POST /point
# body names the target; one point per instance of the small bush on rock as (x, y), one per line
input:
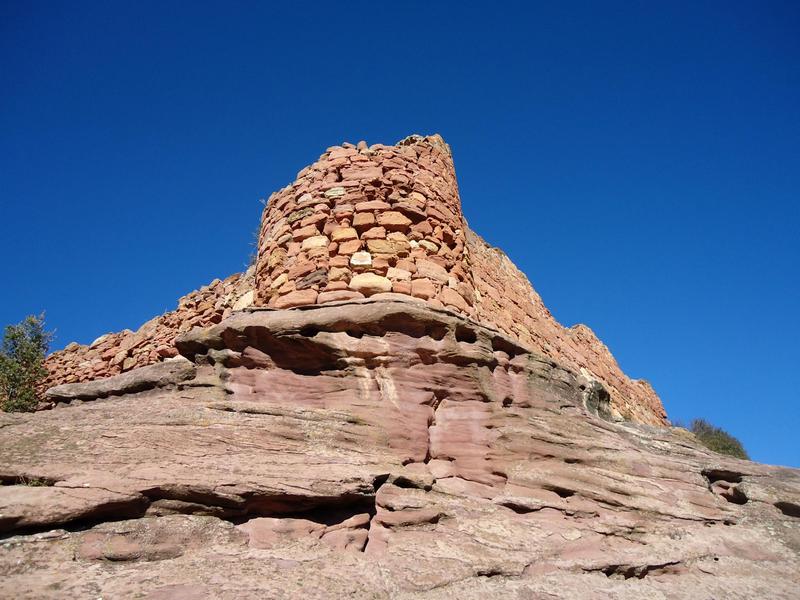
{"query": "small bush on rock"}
(22, 367)
(717, 439)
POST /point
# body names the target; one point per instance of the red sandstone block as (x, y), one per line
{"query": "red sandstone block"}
(314, 219)
(372, 205)
(414, 213)
(286, 288)
(397, 274)
(338, 295)
(343, 210)
(388, 247)
(336, 285)
(339, 274)
(427, 268)
(424, 228)
(297, 298)
(329, 227)
(301, 268)
(334, 163)
(466, 291)
(318, 253)
(452, 298)
(380, 263)
(166, 351)
(342, 234)
(339, 152)
(374, 233)
(398, 236)
(398, 177)
(436, 303)
(407, 264)
(363, 220)
(402, 287)
(362, 173)
(423, 288)
(442, 213)
(393, 162)
(349, 247)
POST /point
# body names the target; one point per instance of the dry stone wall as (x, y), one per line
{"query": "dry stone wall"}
(372, 221)
(506, 299)
(116, 353)
(364, 221)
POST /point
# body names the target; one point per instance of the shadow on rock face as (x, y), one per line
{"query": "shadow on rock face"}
(378, 449)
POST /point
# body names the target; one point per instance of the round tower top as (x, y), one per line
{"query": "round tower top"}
(367, 220)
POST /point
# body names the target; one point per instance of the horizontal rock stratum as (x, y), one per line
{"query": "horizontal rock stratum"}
(367, 221)
(376, 448)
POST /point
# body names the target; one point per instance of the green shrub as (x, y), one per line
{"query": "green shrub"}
(717, 439)
(22, 367)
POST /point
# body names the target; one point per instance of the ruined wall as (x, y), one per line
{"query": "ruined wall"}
(363, 221)
(506, 299)
(116, 353)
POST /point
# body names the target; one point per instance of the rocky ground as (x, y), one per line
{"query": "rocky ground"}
(380, 449)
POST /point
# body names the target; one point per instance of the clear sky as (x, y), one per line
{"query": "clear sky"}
(640, 161)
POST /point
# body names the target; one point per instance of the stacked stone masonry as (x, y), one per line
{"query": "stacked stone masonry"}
(506, 299)
(364, 221)
(116, 353)
(373, 222)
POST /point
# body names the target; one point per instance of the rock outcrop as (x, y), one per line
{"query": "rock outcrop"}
(382, 407)
(377, 449)
(365, 221)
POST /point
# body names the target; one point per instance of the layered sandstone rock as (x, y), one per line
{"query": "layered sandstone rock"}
(377, 449)
(367, 221)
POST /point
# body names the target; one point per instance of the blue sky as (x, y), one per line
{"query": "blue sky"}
(639, 161)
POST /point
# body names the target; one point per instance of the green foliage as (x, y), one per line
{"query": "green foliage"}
(34, 481)
(22, 367)
(717, 439)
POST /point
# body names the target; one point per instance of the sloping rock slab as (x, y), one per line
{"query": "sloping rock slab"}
(380, 450)
(169, 372)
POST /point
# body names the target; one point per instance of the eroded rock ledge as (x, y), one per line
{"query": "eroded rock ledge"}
(378, 449)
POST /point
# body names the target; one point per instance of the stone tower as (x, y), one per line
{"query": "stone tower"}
(364, 221)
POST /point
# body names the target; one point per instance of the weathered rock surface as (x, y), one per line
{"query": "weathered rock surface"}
(168, 373)
(380, 449)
